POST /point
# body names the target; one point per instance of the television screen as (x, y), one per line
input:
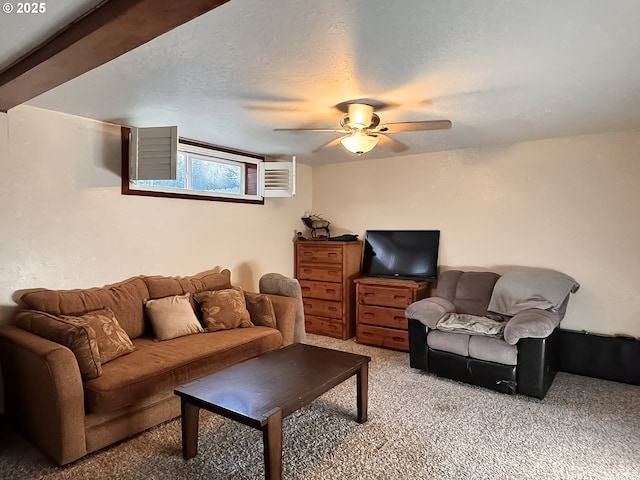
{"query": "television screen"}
(404, 254)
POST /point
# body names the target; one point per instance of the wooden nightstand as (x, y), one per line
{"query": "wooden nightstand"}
(326, 271)
(381, 302)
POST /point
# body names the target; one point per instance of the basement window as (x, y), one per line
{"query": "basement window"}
(205, 172)
(198, 170)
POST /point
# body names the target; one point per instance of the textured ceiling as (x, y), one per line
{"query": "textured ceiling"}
(501, 71)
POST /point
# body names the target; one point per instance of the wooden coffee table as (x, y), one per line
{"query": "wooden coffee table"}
(261, 391)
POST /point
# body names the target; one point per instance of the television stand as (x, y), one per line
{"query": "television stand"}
(380, 305)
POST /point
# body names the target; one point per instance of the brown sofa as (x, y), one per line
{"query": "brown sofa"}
(68, 415)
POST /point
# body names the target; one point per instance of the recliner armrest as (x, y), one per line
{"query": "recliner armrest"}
(429, 310)
(530, 323)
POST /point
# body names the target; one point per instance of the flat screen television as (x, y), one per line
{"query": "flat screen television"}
(403, 254)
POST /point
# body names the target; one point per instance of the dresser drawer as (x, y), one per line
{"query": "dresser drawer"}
(383, 337)
(382, 316)
(323, 326)
(322, 290)
(384, 296)
(324, 308)
(326, 273)
(319, 254)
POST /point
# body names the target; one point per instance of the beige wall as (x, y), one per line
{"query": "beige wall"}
(66, 225)
(569, 204)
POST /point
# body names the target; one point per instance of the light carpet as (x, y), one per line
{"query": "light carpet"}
(420, 427)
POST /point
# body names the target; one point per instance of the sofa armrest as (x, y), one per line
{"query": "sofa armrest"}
(285, 309)
(429, 310)
(530, 323)
(44, 393)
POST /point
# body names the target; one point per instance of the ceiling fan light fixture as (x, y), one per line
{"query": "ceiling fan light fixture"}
(359, 142)
(360, 115)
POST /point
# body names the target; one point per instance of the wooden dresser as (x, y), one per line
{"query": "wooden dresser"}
(380, 310)
(326, 271)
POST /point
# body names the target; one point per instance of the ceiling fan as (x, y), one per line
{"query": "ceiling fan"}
(361, 128)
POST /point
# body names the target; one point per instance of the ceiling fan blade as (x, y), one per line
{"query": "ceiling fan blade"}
(394, 145)
(332, 143)
(335, 130)
(413, 126)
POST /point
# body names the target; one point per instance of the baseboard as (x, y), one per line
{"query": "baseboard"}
(601, 356)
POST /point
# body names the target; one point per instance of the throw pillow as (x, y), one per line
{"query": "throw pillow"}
(71, 332)
(223, 309)
(260, 309)
(113, 341)
(172, 317)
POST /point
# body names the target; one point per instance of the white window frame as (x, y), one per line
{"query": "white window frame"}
(204, 154)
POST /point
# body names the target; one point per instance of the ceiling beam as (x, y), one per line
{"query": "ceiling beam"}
(114, 27)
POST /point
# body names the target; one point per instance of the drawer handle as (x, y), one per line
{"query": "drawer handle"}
(398, 339)
(399, 297)
(306, 289)
(398, 319)
(366, 334)
(330, 290)
(332, 309)
(333, 254)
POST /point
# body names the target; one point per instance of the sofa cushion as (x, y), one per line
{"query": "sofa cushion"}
(125, 299)
(447, 282)
(260, 309)
(157, 367)
(172, 317)
(71, 332)
(457, 343)
(493, 350)
(160, 287)
(473, 292)
(223, 309)
(112, 340)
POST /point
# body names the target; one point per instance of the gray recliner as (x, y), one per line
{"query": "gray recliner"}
(494, 331)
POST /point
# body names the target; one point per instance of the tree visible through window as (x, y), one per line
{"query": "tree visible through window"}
(216, 176)
(201, 174)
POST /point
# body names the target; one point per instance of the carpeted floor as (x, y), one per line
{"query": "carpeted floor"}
(420, 427)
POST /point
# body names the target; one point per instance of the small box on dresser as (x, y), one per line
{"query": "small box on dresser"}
(326, 270)
(380, 310)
